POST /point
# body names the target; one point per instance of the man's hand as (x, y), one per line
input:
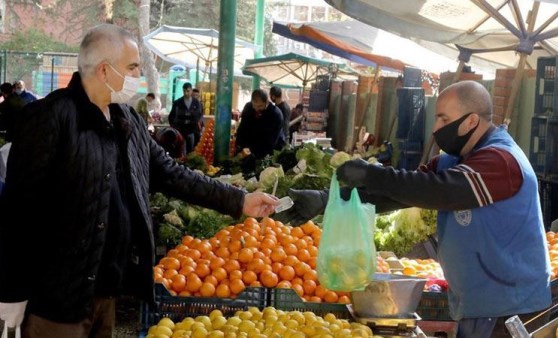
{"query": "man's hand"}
(12, 313)
(307, 205)
(354, 173)
(259, 204)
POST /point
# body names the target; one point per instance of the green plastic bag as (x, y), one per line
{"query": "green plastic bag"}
(347, 254)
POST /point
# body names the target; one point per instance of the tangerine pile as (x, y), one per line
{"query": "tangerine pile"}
(552, 244)
(267, 253)
(424, 268)
(207, 138)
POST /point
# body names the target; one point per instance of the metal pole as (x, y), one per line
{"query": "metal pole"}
(52, 73)
(197, 72)
(225, 71)
(5, 64)
(259, 37)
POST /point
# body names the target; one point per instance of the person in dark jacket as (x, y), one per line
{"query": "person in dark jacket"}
(185, 116)
(9, 109)
(26, 96)
(84, 170)
(171, 140)
(276, 96)
(261, 126)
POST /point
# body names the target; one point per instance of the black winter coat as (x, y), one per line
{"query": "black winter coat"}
(58, 173)
(186, 120)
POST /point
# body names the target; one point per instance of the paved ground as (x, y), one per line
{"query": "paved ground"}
(127, 318)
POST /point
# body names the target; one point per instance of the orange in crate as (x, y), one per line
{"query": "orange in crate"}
(207, 139)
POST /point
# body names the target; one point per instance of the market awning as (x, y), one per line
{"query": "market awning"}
(494, 30)
(194, 47)
(364, 44)
(514, 33)
(333, 45)
(294, 70)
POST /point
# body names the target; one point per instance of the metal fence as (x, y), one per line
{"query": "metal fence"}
(41, 72)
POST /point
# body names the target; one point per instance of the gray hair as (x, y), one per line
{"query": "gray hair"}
(473, 98)
(102, 42)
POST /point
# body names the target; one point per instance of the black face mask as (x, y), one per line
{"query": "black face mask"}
(449, 141)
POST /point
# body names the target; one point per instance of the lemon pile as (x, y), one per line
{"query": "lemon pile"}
(255, 323)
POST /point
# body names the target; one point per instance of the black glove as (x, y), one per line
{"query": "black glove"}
(354, 173)
(307, 205)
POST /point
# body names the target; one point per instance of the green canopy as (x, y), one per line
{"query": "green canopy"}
(295, 70)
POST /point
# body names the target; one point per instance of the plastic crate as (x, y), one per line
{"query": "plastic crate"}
(548, 193)
(318, 101)
(288, 300)
(546, 98)
(434, 306)
(543, 148)
(409, 160)
(177, 308)
(411, 114)
(412, 77)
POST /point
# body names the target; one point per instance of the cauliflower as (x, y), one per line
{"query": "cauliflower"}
(269, 175)
(173, 218)
(339, 158)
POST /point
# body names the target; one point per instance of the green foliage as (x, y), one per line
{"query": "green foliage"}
(169, 235)
(194, 161)
(311, 182)
(176, 219)
(400, 230)
(317, 161)
(205, 14)
(34, 40)
(207, 223)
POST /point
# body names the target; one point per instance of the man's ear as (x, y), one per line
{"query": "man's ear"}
(474, 121)
(101, 71)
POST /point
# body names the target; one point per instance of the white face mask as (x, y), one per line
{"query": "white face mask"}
(129, 88)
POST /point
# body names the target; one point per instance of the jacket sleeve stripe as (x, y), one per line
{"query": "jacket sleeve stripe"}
(477, 184)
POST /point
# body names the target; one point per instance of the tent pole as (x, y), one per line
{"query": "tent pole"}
(458, 72)
(224, 85)
(197, 72)
(366, 107)
(515, 89)
(520, 67)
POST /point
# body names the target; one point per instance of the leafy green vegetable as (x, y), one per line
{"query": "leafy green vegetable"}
(269, 175)
(169, 235)
(173, 218)
(158, 201)
(207, 223)
(317, 161)
(400, 230)
(339, 158)
(309, 181)
(195, 161)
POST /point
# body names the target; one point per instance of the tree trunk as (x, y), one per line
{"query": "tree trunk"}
(147, 57)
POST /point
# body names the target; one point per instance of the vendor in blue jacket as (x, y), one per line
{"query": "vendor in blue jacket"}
(492, 245)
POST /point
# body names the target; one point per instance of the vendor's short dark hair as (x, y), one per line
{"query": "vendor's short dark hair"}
(260, 94)
(299, 106)
(196, 90)
(6, 88)
(186, 86)
(150, 95)
(275, 91)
